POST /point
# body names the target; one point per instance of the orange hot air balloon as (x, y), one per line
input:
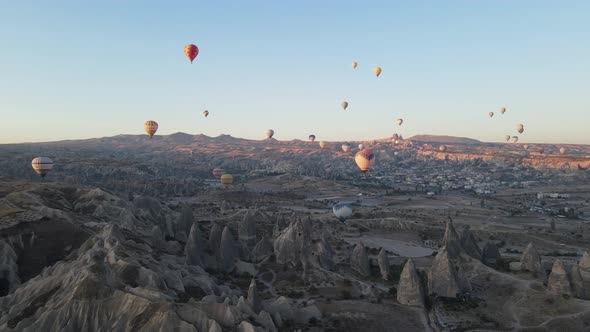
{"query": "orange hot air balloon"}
(150, 127)
(227, 180)
(191, 51)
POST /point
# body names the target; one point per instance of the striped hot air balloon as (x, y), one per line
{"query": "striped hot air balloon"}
(42, 165)
(365, 160)
(191, 51)
(342, 211)
(150, 127)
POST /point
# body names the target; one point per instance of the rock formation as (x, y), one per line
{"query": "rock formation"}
(253, 297)
(262, 250)
(577, 283)
(383, 261)
(451, 241)
(247, 230)
(409, 288)
(469, 243)
(9, 279)
(215, 238)
(158, 238)
(531, 261)
(444, 277)
(322, 254)
(293, 245)
(194, 247)
(359, 260)
(185, 220)
(227, 251)
(491, 255)
(558, 282)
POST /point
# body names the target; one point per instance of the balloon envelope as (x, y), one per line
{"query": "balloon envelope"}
(191, 51)
(42, 165)
(217, 172)
(345, 147)
(520, 128)
(344, 105)
(503, 110)
(562, 151)
(270, 133)
(354, 64)
(399, 121)
(311, 138)
(442, 148)
(365, 160)
(361, 146)
(491, 114)
(377, 71)
(342, 211)
(514, 139)
(322, 144)
(226, 180)
(507, 138)
(150, 127)
(206, 113)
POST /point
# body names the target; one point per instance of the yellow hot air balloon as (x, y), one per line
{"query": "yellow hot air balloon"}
(354, 64)
(42, 165)
(377, 71)
(365, 160)
(344, 105)
(503, 110)
(150, 127)
(226, 180)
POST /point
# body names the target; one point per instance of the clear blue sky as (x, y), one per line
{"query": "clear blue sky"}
(70, 70)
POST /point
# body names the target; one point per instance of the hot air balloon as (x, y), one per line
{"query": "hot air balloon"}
(442, 148)
(562, 151)
(344, 105)
(42, 165)
(526, 146)
(150, 127)
(399, 121)
(217, 172)
(311, 138)
(520, 128)
(514, 139)
(322, 144)
(345, 147)
(396, 142)
(507, 138)
(269, 133)
(541, 150)
(361, 147)
(206, 113)
(377, 71)
(191, 51)
(365, 160)
(354, 64)
(502, 110)
(491, 114)
(342, 211)
(226, 180)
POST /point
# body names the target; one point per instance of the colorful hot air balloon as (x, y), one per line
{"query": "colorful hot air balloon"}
(344, 105)
(42, 165)
(507, 138)
(361, 147)
(206, 113)
(520, 128)
(269, 133)
(562, 151)
(311, 138)
(514, 139)
(217, 172)
(491, 114)
(322, 144)
(377, 71)
(191, 51)
(342, 211)
(345, 147)
(442, 148)
(399, 121)
(365, 160)
(502, 110)
(354, 64)
(226, 180)
(150, 127)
